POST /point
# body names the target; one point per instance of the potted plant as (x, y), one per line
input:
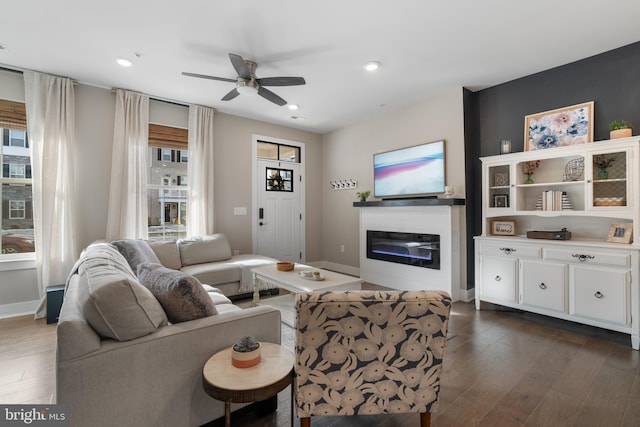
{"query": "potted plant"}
(362, 195)
(619, 129)
(245, 352)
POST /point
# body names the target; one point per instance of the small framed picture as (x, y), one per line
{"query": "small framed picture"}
(501, 201)
(620, 232)
(503, 228)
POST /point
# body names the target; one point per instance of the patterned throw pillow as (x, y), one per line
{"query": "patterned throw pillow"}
(181, 295)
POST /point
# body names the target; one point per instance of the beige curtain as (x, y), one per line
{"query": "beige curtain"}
(128, 210)
(200, 171)
(50, 111)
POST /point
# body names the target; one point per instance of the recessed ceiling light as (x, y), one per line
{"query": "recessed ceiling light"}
(123, 62)
(293, 106)
(372, 66)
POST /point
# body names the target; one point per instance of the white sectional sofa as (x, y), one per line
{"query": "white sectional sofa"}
(209, 259)
(121, 360)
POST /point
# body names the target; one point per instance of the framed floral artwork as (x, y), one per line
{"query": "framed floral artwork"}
(557, 128)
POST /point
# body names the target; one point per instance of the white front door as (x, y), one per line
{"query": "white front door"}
(279, 216)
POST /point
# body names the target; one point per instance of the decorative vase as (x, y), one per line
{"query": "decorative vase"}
(529, 180)
(603, 173)
(620, 133)
(363, 199)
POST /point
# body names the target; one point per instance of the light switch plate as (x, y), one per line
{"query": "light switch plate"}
(240, 211)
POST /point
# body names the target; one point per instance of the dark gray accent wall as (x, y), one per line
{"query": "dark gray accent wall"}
(611, 80)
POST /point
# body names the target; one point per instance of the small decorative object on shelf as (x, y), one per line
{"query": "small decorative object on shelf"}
(503, 228)
(602, 163)
(620, 232)
(362, 195)
(619, 129)
(573, 169)
(505, 146)
(246, 352)
(528, 169)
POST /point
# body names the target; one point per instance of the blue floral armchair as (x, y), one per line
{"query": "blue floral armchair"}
(369, 352)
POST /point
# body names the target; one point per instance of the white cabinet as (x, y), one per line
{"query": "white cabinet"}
(584, 189)
(544, 285)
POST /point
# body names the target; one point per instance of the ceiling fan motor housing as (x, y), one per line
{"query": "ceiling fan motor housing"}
(247, 87)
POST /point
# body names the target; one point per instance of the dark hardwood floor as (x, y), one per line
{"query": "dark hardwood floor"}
(502, 368)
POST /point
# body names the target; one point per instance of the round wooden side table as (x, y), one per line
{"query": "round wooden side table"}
(223, 381)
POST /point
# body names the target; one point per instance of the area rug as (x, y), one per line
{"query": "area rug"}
(284, 304)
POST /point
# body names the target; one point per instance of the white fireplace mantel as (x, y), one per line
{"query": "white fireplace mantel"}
(429, 216)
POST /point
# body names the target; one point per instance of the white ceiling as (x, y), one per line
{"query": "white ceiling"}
(424, 47)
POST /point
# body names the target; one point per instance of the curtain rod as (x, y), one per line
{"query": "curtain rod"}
(22, 70)
(156, 98)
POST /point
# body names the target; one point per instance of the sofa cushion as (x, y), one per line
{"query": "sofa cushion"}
(167, 252)
(214, 273)
(136, 251)
(198, 250)
(116, 305)
(181, 295)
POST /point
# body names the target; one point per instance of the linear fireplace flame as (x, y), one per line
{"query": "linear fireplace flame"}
(421, 250)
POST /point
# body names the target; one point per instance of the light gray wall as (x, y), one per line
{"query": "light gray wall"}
(348, 153)
(95, 109)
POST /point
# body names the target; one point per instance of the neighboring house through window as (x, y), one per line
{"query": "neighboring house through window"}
(167, 182)
(16, 215)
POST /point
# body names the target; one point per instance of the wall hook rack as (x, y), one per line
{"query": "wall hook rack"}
(343, 184)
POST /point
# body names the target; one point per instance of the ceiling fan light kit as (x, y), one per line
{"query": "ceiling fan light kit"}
(248, 84)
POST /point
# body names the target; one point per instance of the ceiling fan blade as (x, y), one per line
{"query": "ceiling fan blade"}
(232, 94)
(240, 66)
(281, 81)
(202, 76)
(267, 94)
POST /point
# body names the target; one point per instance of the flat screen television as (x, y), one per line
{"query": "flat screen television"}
(410, 172)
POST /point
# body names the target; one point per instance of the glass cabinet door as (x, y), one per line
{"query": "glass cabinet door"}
(499, 187)
(609, 179)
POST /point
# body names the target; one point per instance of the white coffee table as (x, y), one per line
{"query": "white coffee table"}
(294, 282)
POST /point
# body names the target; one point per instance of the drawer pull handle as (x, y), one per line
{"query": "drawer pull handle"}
(498, 278)
(543, 286)
(598, 295)
(507, 251)
(583, 257)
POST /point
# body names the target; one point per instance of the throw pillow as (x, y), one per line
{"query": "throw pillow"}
(198, 250)
(168, 253)
(181, 295)
(136, 252)
(116, 305)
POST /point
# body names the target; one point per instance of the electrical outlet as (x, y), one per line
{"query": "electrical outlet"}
(341, 248)
(236, 252)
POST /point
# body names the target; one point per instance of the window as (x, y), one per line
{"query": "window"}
(167, 183)
(279, 179)
(17, 138)
(16, 209)
(16, 216)
(280, 152)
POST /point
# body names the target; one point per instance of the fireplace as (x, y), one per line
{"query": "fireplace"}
(420, 250)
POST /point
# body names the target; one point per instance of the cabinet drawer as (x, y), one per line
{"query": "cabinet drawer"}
(600, 293)
(509, 249)
(587, 256)
(499, 278)
(544, 284)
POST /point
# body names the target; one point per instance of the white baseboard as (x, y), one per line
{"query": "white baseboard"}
(468, 295)
(339, 268)
(18, 309)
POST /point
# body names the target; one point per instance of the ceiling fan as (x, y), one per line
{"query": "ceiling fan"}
(247, 83)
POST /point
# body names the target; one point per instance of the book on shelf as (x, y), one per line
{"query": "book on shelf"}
(551, 200)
